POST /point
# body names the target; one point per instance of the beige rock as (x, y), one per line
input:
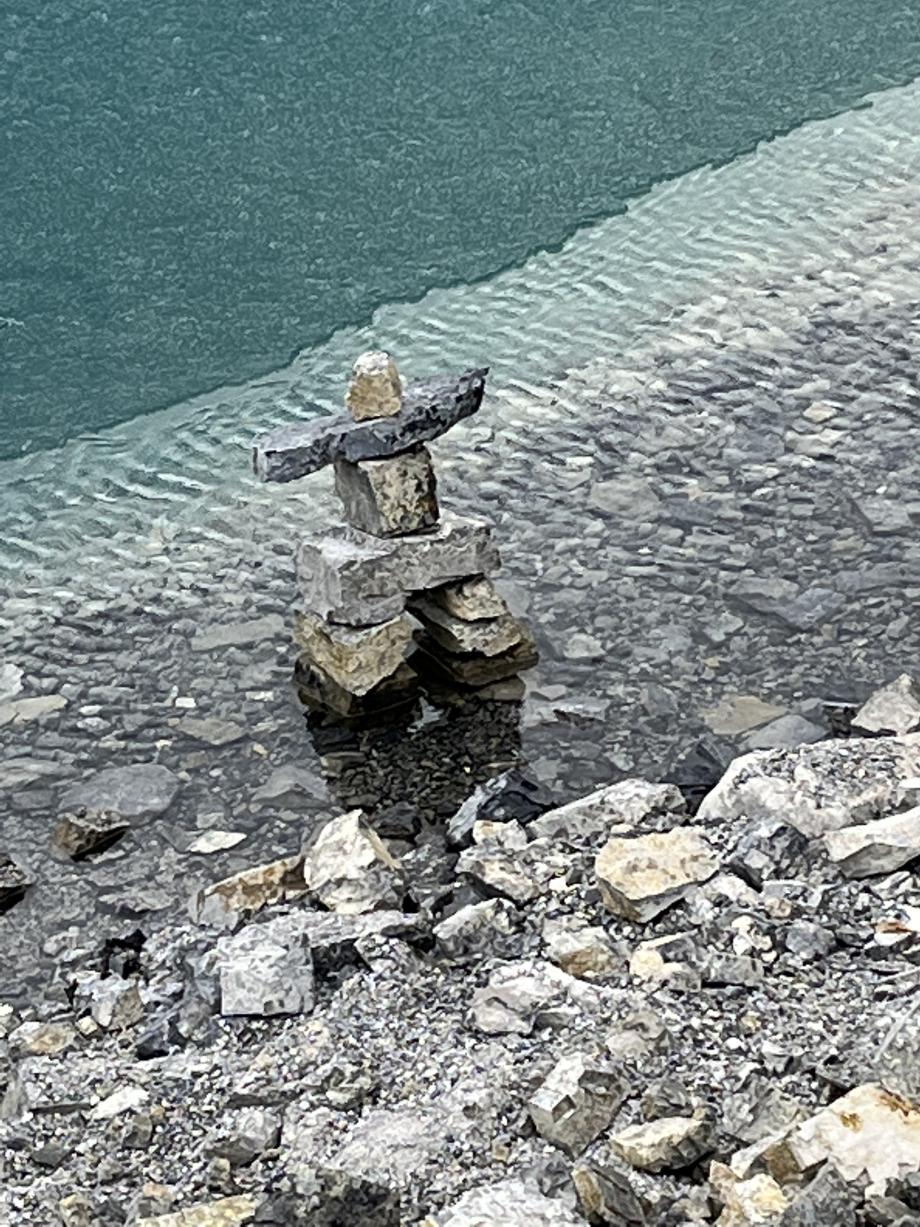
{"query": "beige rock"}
(664, 960)
(249, 891)
(469, 599)
(77, 1210)
(349, 867)
(486, 635)
(868, 1133)
(389, 497)
(375, 388)
(894, 708)
(42, 1039)
(666, 1144)
(639, 878)
(227, 1212)
(739, 713)
(876, 847)
(755, 1202)
(584, 952)
(358, 658)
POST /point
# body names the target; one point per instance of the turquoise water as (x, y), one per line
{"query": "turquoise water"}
(191, 193)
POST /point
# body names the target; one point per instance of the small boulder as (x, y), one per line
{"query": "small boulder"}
(876, 847)
(577, 1102)
(349, 868)
(667, 1144)
(642, 876)
(894, 708)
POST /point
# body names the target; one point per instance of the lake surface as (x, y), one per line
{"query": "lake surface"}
(191, 194)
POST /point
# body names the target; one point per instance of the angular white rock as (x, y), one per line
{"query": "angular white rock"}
(349, 868)
(894, 708)
(876, 847)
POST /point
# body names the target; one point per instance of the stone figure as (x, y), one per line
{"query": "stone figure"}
(400, 576)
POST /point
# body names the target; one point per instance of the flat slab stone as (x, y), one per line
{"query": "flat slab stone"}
(354, 578)
(641, 877)
(876, 847)
(475, 669)
(389, 497)
(358, 658)
(470, 599)
(139, 790)
(317, 690)
(430, 407)
(486, 635)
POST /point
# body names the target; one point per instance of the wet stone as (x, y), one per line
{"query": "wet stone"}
(487, 636)
(390, 497)
(430, 407)
(356, 658)
(360, 580)
(475, 669)
(876, 847)
(469, 599)
(141, 790)
(320, 692)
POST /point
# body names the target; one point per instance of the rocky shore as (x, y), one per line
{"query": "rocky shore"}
(625, 1009)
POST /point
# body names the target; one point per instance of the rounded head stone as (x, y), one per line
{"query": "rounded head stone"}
(375, 388)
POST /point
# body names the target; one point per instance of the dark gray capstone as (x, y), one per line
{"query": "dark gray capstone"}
(430, 407)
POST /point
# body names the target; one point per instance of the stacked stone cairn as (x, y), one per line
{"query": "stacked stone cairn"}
(398, 555)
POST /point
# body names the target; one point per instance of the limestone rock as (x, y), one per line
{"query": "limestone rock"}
(754, 1202)
(318, 691)
(817, 788)
(633, 803)
(246, 1134)
(77, 1210)
(475, 668)
(667, 960)
(356, 658)
(577, 1102)
(14, 882)
(112, 1003)
(469, 599)
(510, 1203)
(504, 865)
(868, 1134)
(360, 580)
(607, 1197)
(488, 636)
(391, 1145)
(265, 969)
(125, 1099)
(389, 497)
(141, 790)
(521, 996)
(667, 1144)
(876, 847)
(894, 708)
(86, 831)
(583, 951)
(225, 902)
(226, 1212)
(430, 407)
(827, 1198)
(640, 877)
(488, 929)
(40, 1039)
(375, 389)
(350, 869)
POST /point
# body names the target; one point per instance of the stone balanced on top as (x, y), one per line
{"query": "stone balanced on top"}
(398, 554)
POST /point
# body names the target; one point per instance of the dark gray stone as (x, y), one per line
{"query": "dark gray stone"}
(430, 407)
(137, 791)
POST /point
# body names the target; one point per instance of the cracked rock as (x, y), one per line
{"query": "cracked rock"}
(640, 877)
(349, 868)
(577, 1102)
(894, 708)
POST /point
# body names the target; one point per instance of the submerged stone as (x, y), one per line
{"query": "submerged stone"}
(390, 497)
(319, 691)
(430, 407)
(357, 579)
(139, 790)
(357, 658)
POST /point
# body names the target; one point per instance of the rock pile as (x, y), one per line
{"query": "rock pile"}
(397, 555)
(611, 1012)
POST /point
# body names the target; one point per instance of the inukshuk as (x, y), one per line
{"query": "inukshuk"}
(398, 554)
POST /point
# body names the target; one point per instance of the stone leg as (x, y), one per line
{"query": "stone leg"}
(391, 497)
(357, 658)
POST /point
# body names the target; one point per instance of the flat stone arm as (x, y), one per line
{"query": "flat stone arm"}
(430, 407)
